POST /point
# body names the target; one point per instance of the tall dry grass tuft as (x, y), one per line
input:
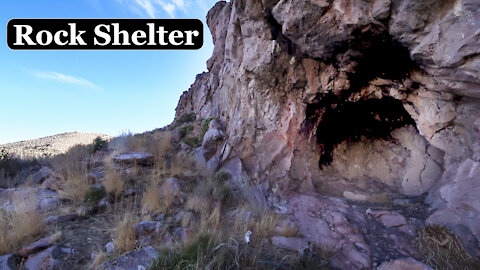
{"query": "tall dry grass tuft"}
(114, 183)
(74, 186)
(20, 226)
(442, 249)
(151, 200)
(124, 233)
(73, 169)
(157, 196)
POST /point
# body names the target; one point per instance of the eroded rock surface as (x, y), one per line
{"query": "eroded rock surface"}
(367, 100)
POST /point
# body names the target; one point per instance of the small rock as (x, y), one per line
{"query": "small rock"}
(147, 227)
(355, 196)
(404, 264)
(110, 247)
(183, 234)
(129, 192)
(51, 220)
(390, 219)
(103, 203)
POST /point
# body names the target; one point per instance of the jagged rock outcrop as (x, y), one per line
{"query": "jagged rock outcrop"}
(367, 100)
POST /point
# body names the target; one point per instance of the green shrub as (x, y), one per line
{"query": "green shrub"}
(99, 144)
(204, 128)
(185, 130)
(94, 194)
(194, 142)
(188, 257)
(186, 118)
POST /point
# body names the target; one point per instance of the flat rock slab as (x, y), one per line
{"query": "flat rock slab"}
(139, 158)
(137, 259)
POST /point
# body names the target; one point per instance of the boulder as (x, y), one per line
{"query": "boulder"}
(41, 175)
(40, 244)
(34, 198)
(211, 141)
(49, 259)
(137, 259)
(9, 262)
(138, 158)
(461, 207)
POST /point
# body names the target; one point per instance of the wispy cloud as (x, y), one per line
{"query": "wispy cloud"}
(148, 6)
(64, 78)
(155, 8)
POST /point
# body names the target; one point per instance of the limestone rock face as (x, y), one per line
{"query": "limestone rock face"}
(366, 100)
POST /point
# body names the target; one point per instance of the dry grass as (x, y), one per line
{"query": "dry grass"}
(100, 258)
(114, 183)
(157, 197)
(73, 169)
(74, 186)
(124, 233)
(442, 249)
(21, 226)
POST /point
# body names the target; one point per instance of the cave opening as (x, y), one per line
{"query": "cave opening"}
(379, 56)
(351, 121)
(335, 118)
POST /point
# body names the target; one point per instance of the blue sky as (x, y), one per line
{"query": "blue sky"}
(49, 92)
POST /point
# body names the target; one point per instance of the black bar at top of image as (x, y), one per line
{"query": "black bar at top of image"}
(169, 27)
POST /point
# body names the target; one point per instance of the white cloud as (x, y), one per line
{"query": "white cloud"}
(180, 4)
(148, 6)
(56, 76)
(168, 7)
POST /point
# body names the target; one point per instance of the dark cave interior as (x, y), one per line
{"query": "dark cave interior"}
(336, 119)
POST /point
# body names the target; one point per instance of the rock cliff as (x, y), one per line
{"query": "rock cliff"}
(366, 100)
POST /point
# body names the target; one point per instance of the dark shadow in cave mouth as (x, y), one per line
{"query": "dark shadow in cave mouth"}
(383, 57)
(377, 55)
(350, 121)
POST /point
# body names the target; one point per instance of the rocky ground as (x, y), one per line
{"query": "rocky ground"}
(118, 226)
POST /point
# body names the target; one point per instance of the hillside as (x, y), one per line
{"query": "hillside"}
(50, 145)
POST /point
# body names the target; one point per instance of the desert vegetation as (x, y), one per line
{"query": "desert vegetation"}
(193, 218)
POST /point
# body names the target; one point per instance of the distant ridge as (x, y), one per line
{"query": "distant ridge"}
(50, 145)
